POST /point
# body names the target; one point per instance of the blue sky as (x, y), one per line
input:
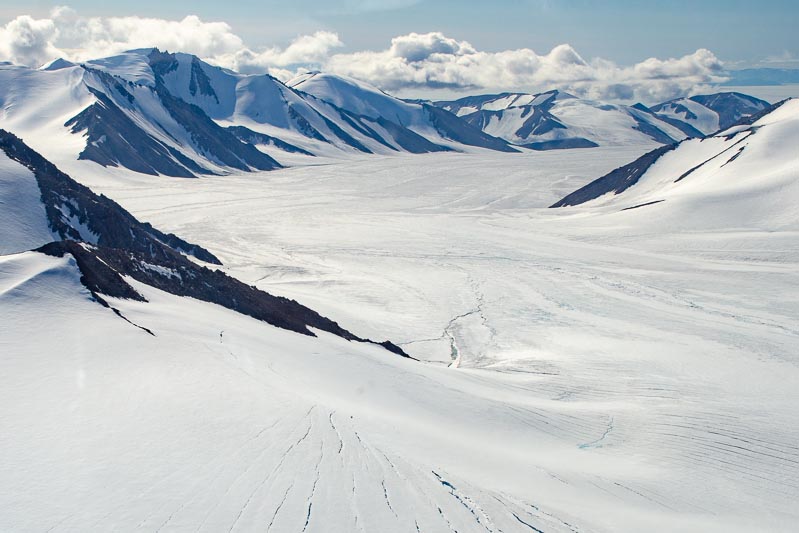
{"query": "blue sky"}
(619, 50)
(742, 32)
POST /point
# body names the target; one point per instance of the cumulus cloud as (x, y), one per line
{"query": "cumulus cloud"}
(31, 42)
(95, 37)
(302, 52)
(28, 41)
(414, 61)
(435, 60)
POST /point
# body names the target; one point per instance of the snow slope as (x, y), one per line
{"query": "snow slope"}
(22, 216)
(358, 97)
(618, 372)
(219, 422)
(746, 176)
(230, 425)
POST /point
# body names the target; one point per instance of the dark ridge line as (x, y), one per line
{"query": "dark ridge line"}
(114, 226)
(254, 137)
(643, 205)
(735, 156)
(690, 171)
(123, 246)
(126, 319)
(102, 270)
(617, 181)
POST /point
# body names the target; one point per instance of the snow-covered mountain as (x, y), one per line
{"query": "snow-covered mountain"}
(368, 101)
(557, 119)
(84, 112)
(172, 114)
(709, 113)
(744, 176)
(264, 105)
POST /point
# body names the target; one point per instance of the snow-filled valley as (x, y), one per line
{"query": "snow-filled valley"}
(583, 369)
(223, 351)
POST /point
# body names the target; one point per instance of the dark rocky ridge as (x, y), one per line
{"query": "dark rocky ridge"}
(102, 270)
(211, 139)
(731, 107)
(200, 82)
(616, 181)
(394, 135)
(751, 119)
(120, 246)
(684, 127)
(538, 119)
(407, 139)
(624, 177)
(66, 201)
(113, 139)
(653, 132)
(561, 144)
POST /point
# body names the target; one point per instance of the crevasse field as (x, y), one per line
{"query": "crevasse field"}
(581, 369)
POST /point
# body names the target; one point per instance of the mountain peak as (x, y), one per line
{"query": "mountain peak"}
(57, 64)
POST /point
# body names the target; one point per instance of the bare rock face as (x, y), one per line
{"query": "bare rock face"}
(75, 212)
(115, 139)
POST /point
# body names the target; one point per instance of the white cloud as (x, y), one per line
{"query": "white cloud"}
(413, 61)
(435, 60)
(304, 51)
(28, 41)
(96, 37)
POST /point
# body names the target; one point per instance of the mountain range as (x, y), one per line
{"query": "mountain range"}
(172, 114)
(557, 119)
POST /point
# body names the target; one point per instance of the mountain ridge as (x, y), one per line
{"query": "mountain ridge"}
(110, 245)
(744, 172)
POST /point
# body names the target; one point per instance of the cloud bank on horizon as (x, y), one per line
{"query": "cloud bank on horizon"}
(416, 61)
